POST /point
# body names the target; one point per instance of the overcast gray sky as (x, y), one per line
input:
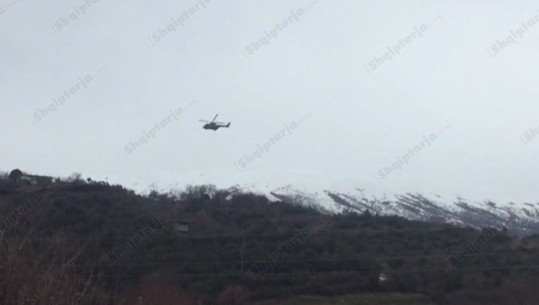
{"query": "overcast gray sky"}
(429, 96)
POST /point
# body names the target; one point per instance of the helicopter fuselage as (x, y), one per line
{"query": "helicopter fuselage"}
(215, 126)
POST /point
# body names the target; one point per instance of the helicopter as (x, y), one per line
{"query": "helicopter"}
(214, 125)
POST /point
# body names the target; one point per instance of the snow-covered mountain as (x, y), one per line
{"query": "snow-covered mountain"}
(518, 218)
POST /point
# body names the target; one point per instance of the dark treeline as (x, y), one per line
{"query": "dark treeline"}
(80, 241)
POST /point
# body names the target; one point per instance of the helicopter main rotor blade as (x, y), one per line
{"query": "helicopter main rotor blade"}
(214, 117)
(204, 121)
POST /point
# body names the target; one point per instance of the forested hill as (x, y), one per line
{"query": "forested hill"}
(87, 242)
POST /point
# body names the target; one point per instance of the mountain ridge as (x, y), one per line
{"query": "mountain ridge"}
(519, 219)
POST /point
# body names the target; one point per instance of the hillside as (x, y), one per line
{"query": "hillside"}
(222, 247)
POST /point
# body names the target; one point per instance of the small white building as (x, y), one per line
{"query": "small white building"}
(181, 227)
(28, 180)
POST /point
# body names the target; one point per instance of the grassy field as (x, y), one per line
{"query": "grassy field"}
(358, 299)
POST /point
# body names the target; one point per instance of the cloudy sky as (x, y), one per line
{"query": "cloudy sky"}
(428, 96)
